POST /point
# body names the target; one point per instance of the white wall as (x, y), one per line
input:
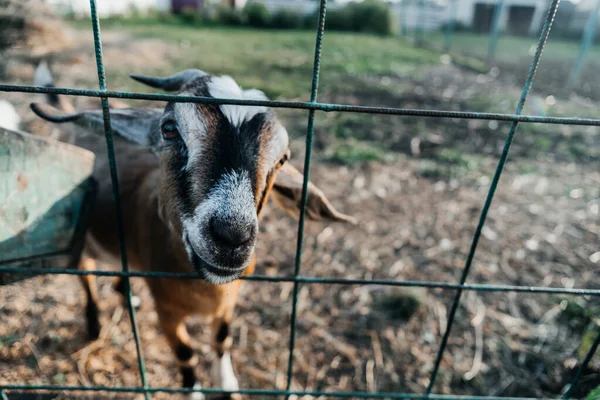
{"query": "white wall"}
(411, 16)
(465, 10)
(109, 7)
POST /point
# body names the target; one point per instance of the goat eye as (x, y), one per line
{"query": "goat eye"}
(169, 130)
(283, 160)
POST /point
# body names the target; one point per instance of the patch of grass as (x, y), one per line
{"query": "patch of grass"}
(343, 52)
(471, 63)
(533, 139)
(455, 158)
(278, 62)
(349, 125)
(524, 168)
(451, 163)
(578, 313)
(588, 339)
(8, 340)
(430, 170)
(351, 151)
(459, 164)
(511, 47)
(594, 394)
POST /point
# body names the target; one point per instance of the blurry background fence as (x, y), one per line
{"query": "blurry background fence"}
(429, 23)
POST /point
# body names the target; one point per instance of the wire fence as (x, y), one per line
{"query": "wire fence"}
(297, 279)
(484, 31)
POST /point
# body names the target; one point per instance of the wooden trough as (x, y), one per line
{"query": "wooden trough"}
(46, 196)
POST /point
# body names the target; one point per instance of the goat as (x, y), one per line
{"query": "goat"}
(194, 179)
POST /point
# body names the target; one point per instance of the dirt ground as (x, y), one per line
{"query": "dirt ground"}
(417, 217)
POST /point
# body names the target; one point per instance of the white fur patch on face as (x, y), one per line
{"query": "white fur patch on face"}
(191, 126)
(230, 200)
(233, 198)
(277, 145)
(223, 374)
(225, 87)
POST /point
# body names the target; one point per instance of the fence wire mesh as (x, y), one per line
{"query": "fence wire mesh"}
(297, 279)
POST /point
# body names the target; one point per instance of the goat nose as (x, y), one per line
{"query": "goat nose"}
(231, 234)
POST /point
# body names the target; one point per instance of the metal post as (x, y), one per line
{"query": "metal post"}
(490, 196)
(403, 19)
(420, 31)
(495, 32)
(450, 26)
(587, 40)
(304, 199)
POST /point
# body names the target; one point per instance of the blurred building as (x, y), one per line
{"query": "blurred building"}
(107, 8)
(519, 17)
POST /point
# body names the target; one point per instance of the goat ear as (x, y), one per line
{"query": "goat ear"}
(135, 125)
(287, 194)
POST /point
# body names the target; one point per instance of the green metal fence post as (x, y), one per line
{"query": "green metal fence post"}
(495, 32)
(403, 19)
(307, 159)
(450, 26)
(420, 31)
(587, 41)
(490, 196)
(116, 193)
(588, 357)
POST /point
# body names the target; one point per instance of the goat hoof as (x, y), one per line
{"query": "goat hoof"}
(197, 395)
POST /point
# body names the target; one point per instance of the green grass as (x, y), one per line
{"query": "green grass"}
(594, 394)
(352, 151)
(278, 62)
(511, 47)
(453, 164)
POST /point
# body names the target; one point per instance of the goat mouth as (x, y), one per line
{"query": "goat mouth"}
(209, 272)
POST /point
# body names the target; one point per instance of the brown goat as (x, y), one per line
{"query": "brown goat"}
(194, 179)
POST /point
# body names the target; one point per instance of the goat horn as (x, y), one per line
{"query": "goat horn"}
(171, 83)
(52, 114)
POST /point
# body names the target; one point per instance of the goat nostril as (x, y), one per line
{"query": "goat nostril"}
(232, 235)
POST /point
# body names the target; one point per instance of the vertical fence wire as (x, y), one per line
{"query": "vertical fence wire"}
(490, 196)
(403, 19)
(495, 31)
(116, 193)
(420, 31)
(307, 159)
(588, 357)
(450, 25)
(587, 41)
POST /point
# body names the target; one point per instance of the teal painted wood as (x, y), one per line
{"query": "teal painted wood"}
(44, 191)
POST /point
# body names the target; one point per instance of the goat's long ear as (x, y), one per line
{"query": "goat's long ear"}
(171, 83)
(287, 194)
(135, 125)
